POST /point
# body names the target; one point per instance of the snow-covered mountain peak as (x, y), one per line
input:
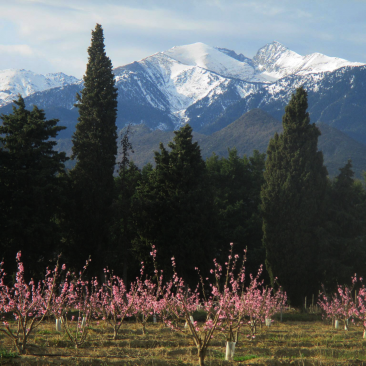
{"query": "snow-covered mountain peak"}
(62, 79)
(274, 58)
(25, 82)
(271, 51)
(209, 58)
(276, 61)
(193, 54)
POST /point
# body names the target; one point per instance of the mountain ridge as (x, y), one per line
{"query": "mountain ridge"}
(164, 92)
(25, 82)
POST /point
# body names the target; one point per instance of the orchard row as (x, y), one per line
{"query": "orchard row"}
(343, 307)
(233, 304)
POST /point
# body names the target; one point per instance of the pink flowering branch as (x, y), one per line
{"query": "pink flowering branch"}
(29, 303)
(115, 301)
(76, 294)
(182, 302)
(361, 308)
(340, 306)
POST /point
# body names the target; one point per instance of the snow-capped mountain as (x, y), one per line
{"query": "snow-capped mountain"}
(276, 61)
(212, 59)
(198, 84)
(25, 83)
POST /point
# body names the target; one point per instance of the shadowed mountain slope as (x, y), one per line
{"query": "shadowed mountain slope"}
(252, 131)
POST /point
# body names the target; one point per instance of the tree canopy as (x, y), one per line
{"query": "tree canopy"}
(292, 201)
(31, 185)
(95, 150)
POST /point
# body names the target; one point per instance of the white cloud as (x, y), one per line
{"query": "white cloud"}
(57, 32)
(17, 49)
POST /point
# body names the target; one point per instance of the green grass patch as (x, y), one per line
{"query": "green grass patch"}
(7, 354)
(44, 331)
(218, 355)
(221, 356)
(245, 358)
(298, 317)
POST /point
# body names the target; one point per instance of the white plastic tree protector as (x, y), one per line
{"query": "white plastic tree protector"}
(83, 322)
(58, 325)
(268, 322)
(336, 324)
(230, 350)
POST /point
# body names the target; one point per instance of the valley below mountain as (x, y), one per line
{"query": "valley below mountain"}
(252, 131)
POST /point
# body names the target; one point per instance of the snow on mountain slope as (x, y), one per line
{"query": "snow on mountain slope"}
(277, 61)
(192, 83)
(212, 59)
(173, 85)
(25, 83)
(179, 84)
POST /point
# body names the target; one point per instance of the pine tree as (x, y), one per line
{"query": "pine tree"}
(176, 208)
(237, 183)
(95, 149)
(292, 201)
(343, 250)
(31, 186)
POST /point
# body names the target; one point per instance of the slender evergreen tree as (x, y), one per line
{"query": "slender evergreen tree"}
(292, 202)
(31, 186)
(95, 150)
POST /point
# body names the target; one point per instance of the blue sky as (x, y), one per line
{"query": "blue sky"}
(53, 35)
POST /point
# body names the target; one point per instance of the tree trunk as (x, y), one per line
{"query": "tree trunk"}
(201, 356)
(23, 346)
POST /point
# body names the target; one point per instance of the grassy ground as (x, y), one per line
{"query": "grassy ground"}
(291, 342)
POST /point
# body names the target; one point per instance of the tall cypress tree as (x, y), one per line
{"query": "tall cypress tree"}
(292, 199)
(95, 149)
(31, 186)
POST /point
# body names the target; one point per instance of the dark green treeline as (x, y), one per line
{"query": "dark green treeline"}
(306, 228)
